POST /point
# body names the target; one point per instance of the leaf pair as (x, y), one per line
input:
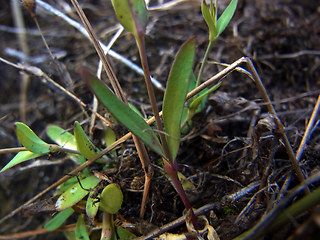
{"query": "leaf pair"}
(216, 27)
(173, 104)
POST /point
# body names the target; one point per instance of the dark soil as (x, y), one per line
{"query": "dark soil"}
(221, 154)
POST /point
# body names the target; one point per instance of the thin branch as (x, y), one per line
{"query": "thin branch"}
(83, 31)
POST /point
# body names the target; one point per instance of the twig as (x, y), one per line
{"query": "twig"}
(83, 31)
(39, 73)
(269, 220)
(280, 127)
(179, 221)
(23, 43)
(307, 133)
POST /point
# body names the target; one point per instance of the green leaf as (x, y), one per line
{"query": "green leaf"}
(123, 113)
(81, 230)
(61, 137)
(210, 17)
(58, 219)
(111, 199)
(30, 140)
(75, 193)
(175, 95)
(125, 234)
(66, 140)
(193, 108)
(186, 184)
(132, 14)
(20, 157)
(92, 205)
(65, 186)
(84, 145)
(226, 16)
(110, 137)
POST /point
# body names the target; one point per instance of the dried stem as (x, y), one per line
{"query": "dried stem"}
(280, 127)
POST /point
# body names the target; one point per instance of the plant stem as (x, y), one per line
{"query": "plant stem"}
(107, 226)
(172, 171)
(152, 97)
(204, 62)
(169, 163)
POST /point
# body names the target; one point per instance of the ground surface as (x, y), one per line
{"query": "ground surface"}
(219, 154)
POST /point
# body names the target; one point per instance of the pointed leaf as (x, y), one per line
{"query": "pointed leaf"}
(123, 113)
(84, 144)
(210, 18)
(20, 158)
(64, 139)
(61, 137)
(193, 108)
(226, 16)
(74, 194)
(175, 94)
(30, 140)
(125, 234)
(58, 219)
(132, 14)
(81, 230)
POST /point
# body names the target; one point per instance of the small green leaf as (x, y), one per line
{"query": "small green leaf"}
(110, 137)
(61, 137)
(66, 140)
(84, 145)
(123, 113)
(125, 234)
(30, 140)
(81, 230)
(186, 184)
(132, 14)
(58, 219)
(65, 186)
(92, 205)
(175, 95)
(111, 199)
(75, 193)
(20, 157)
(210, 17)
(193, 108)
(226, 16)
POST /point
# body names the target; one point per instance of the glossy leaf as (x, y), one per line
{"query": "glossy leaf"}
(123, 113)
(111, 199)
(30, 140)
(20, 157)
(226, 16)
(175, 95)
(92, 205)
(64, 139)
(81, 230)
(75, 193)
(132, 14)
(59, 219)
